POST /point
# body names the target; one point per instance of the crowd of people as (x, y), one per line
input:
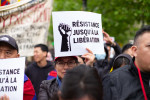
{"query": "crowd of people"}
(125, 76)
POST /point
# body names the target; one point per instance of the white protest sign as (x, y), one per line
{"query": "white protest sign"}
(28, 24)
(74, 31)
(12, 77)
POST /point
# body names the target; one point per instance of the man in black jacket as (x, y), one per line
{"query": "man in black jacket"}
(38, 70)
(132, 82)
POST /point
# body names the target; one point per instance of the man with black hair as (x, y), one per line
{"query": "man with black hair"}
(38, 70)
(126, 49)
(81, 83)
(132, 82)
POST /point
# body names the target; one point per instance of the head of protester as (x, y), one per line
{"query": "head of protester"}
(81, 83)
(126, 49)
(122, 60)
(62, 64)
(49, 88)
(9, 49)
(40, 54)
(141, 49)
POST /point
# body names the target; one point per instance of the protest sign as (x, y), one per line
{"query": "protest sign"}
(27, 23)
(74, 31)
(12, 77)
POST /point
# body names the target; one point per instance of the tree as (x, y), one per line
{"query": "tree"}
(121, 18)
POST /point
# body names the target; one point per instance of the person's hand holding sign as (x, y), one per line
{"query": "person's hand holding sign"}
(107, 38)
(89, 57)
(5, 97)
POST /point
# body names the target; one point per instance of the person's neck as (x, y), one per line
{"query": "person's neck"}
(140, 67)
(42, 63)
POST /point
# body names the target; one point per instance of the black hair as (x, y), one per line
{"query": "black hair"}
(126, 47)
(122, 59)
(81, 81)
(43, 47)
(141, 32)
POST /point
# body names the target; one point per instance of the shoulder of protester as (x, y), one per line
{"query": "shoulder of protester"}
(120, 72)
(46, 83)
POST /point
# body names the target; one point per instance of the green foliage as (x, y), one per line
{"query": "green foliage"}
(120, 18)
(64, 5)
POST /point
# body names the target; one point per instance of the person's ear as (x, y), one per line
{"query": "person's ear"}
(18, 55)
(59, 95)
(45, 54)
(134, 50)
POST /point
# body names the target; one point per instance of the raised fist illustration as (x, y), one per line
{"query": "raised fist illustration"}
(65, 32)
(64, 29)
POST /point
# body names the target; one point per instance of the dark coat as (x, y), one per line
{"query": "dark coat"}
(104, 66)
(37, 74)
(48, 88)
(124, 84)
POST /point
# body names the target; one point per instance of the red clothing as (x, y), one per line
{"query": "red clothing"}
(28, 92)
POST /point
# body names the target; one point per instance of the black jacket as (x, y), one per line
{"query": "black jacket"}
(104, 66)
(37, 74)
(124, 84)
(48, 89)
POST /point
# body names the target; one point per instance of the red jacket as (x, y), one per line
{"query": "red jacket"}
(28, 92)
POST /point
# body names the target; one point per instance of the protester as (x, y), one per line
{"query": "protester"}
(114, 45)
(121, 60)
(131, 82)
(9, 49)
(126, 49)
(49, 88)
(38, 70)
(81, 83)
(104, 65)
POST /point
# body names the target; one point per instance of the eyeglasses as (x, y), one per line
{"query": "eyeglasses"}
(69, 63)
